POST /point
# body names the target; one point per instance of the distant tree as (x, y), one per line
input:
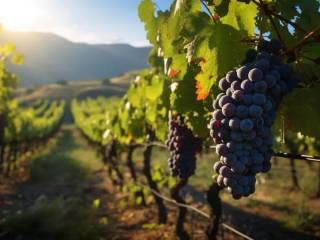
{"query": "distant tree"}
(62, 82)
(106, 81)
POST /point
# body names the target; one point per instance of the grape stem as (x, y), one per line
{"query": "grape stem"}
(269, 15)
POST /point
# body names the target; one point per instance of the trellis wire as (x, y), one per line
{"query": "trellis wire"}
(194, 209)
(277, 154)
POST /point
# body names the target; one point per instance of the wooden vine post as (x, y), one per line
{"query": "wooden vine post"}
(2, 145)
(132, 169)
(175, 194)
(216, 211)
(162, 210)
(111, 159)
(130, 163)
(294, 177)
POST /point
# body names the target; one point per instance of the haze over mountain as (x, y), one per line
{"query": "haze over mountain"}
(50, 58)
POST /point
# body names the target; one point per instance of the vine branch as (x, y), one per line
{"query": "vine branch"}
(267, 11)
(268, 14)
(304, 39)
(208, 9)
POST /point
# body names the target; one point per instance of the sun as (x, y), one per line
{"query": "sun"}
(20, 15)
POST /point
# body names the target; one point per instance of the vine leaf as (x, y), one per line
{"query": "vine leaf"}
(221, 46)
(146, 14)
(302, 116)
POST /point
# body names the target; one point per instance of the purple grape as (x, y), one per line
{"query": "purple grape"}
(270, 79)
(257, 158)
(236, 85)
(257, 142)
(242, 111)
(229, 182)
(218, 115)
(260, 87)
(222, 150)
(275, 73)
(238, 168)
(224, 100)
(259, 99)
(246, 125)
(247, 86)
(232, 146)
(236, 136)
(244, 181)
(229, 110)
(255, 111)
(230, 159)
(231, 76)
(238, 95)
(247, 99)
(229, 92)
(234, 123)
(267, 106)
(217, 166)
(263, 64)
(249, 135)
(225, 172)
(242, 72)
(255, 74)
(223, 84)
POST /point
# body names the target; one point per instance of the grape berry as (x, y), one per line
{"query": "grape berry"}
(183, 147)
(243, 116)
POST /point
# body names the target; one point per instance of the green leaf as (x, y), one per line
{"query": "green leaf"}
(96, 203)
(241, 16)
(220, 53)
(155, 88)
(139, 200)
(302, 116)
(146, 14)
(17, 59)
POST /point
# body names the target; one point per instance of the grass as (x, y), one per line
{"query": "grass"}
(66, 158)
(51, 220)
(69, 158)
(300, 218)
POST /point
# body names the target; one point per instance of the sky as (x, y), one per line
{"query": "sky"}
(91, 21)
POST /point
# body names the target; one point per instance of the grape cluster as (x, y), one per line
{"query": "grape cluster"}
(243, 116)
(183, 146)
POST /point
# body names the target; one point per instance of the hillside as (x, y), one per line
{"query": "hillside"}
(79, 89)
(50, 58)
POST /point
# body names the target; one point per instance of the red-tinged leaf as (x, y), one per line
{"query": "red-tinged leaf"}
(201, 93)
(172, 73)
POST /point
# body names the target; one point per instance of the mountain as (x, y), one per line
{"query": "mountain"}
(50, 58)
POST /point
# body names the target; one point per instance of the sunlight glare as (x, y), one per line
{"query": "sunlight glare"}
(20, 15)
